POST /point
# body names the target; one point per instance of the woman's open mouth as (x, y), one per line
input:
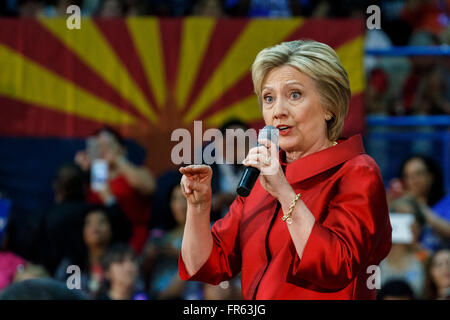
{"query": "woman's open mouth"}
(284, 129)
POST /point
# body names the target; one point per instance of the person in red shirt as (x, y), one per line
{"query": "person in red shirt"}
(318, 225)
(129, 186)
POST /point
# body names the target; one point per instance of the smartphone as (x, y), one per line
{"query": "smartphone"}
(99, 175)
(401, 227)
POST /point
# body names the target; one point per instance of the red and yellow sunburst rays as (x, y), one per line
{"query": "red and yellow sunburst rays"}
(147, 76)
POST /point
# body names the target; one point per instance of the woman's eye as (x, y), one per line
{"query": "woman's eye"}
(268, 99)
(295, 95)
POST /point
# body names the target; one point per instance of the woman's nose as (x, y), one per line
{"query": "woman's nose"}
(280, 111)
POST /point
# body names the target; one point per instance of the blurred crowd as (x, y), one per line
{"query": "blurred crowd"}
(179, 8)
(418, 266)
(120, 238)
(415, 14)
(119, 230)
(409, 85)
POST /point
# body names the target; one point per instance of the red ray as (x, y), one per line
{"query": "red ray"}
(117, 34)
(240, 90)
(333, 32)
(170, 30)
(35, 42)
(225, 32)
(18, 118)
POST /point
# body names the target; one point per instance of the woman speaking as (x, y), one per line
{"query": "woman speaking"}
(312, 229)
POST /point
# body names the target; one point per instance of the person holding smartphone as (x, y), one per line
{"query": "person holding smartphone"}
(115, 180)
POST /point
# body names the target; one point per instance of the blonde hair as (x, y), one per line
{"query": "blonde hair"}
(318, 61)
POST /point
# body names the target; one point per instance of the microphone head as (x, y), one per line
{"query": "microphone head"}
(269, 133)
(251, 174)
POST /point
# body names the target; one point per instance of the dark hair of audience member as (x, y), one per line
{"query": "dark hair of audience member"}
(69, 183)
(40, 289)
(80, 258)
(437, 191)
(117, 253)
(108, 129)
(233, 123)
(395, 289)
(166, 217)
(430, 291)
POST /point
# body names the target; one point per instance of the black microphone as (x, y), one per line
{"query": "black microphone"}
(251, 174)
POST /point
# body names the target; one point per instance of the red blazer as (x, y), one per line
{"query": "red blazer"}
(343, 189)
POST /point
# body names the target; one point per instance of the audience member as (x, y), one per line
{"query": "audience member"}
(9, 262)
(29, 8)
(161, 204)
(40, 289)
(437, 285)
(61, 225)
(136, 7)
(58, 8)
(173, 8)
(97, 236)
(288, 8)
(430, 98)
(424, 15)
(121, 275)
(376, 98)
(111, 9)
(422, 180)
(421, 67)
(161, 256)
(128, 185)
(209, 8)
(14, 268)
(395, 290)
(405, 260)
(226, 175)
(23, 232)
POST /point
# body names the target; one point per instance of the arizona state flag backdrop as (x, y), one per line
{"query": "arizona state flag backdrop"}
(149, 76)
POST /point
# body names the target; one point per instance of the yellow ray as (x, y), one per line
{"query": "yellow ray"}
(24, 80)
(247, 110)
(351, 55)
(195, 38)
(258, 34)
(92, 48)
(146, 35)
